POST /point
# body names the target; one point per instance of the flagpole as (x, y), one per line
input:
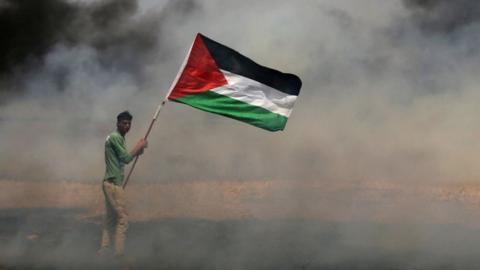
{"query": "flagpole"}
(157, 112)
(159, 107)
(155, 115)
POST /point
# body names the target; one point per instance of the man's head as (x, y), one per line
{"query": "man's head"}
(124, 121)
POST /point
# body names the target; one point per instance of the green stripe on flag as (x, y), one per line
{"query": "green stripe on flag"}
(215, 103)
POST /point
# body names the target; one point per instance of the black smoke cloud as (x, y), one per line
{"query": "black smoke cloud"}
(29, 29)
(122, 41)
(444, 16)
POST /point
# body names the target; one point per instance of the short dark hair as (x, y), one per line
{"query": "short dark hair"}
(125, 115)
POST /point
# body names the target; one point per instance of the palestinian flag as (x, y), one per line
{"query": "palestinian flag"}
(217, 79)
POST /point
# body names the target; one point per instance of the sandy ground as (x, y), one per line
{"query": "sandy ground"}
(218, 200)
(246, 225)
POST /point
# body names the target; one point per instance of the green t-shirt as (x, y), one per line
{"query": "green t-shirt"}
(116, 156)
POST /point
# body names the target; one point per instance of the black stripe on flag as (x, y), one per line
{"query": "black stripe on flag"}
(230, 60)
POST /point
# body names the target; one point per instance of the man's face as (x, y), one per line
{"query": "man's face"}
(123, 126)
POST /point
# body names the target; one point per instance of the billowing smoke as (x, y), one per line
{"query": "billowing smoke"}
(390, 91)
(65, 65)
(444, 16)
(33, 29)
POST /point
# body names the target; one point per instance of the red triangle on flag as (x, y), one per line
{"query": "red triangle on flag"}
(199, 74)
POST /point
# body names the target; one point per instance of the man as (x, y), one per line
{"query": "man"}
(116, 156)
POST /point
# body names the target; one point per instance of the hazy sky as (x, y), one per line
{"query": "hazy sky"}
(389, 89)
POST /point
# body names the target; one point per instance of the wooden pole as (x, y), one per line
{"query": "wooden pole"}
(182, 67)
(159, 108)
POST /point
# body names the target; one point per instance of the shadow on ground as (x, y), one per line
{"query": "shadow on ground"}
(58, 239)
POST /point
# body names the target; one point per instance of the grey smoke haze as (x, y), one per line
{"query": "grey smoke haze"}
(390, 92)
(443, 15)
(381, 99)
(122, 42)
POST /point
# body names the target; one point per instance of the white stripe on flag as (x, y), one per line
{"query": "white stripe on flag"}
(256, 94)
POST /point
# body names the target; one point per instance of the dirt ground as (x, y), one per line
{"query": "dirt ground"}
(219, 200)
(245, 225)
